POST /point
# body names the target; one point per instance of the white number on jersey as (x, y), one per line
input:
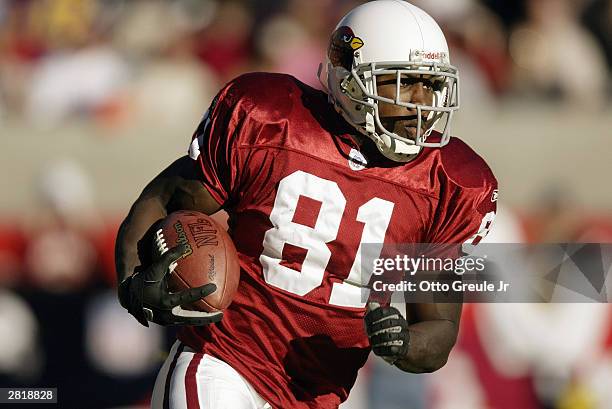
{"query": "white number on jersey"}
(375, 214)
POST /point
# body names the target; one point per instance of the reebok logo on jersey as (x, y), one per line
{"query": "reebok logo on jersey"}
(356, 160)
(495, 195)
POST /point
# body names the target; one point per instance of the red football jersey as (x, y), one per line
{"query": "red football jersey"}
(301, 198)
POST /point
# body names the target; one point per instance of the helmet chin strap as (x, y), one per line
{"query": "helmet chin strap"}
(370, 124)
(394, 149)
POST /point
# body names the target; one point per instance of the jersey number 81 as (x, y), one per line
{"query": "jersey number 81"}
(375, 214)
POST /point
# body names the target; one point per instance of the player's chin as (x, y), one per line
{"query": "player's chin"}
(405, 129)
(408, 132)
(401, 130)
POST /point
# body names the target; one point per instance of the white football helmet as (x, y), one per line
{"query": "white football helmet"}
(389, 37)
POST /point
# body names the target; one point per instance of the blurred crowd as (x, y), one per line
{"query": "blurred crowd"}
(119, 61)
(115, 63)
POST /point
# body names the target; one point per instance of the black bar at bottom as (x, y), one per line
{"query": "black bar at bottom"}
(28, 395)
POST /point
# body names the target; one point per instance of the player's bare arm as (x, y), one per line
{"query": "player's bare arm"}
(432, 336)
(143, 290)
(419, 343)
(176, 187)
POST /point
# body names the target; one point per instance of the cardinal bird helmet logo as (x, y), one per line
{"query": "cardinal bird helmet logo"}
(342, 46)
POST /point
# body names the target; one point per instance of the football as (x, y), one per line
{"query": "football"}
(210, 258)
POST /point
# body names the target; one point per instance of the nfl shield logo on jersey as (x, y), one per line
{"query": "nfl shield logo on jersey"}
(356, 160)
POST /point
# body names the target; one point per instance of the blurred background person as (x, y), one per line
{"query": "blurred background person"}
(541, 47)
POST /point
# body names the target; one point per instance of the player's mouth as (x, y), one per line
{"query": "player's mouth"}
(406, 127)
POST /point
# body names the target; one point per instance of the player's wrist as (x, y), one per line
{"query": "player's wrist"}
(123, 292)
(403, 360)
(124, 286)
(130, 298)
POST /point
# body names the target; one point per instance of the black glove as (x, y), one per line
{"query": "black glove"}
(388, 332)
(146, 296)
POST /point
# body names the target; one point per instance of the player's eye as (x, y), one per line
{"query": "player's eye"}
(437, 84)
(406, 82)
(410, 81)
(430, 84)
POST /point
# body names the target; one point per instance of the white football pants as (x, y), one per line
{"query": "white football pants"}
(190, 380)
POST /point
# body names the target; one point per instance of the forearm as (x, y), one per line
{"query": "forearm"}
(430, 345)
(175, 188)
(143, 214)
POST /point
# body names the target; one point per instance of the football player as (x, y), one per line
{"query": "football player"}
(306, 177)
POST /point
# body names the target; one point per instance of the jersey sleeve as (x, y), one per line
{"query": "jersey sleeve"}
(214, 144)
(464, 219)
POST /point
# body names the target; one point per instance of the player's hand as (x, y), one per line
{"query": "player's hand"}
(388, 332)
(146, 296)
